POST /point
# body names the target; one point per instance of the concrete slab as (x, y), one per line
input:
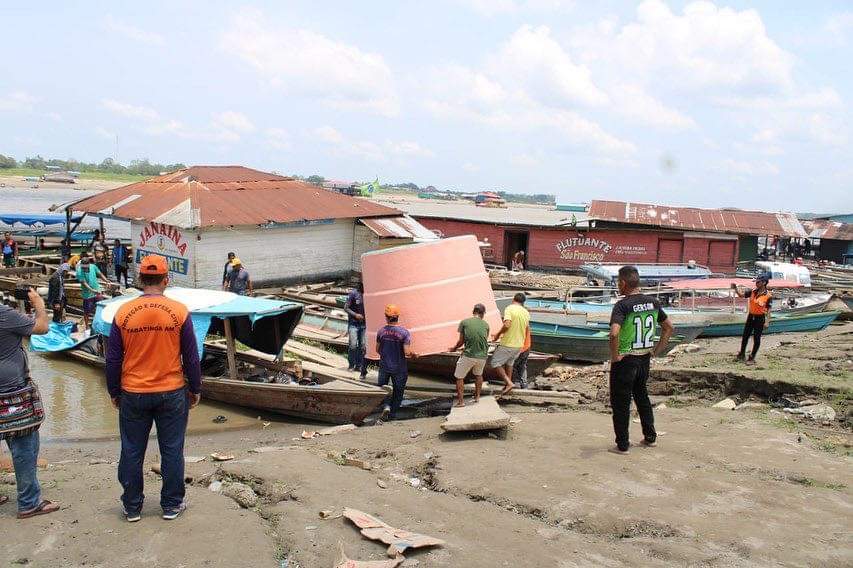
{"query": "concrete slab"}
(484, 415)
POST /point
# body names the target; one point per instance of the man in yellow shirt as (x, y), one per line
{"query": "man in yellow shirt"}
(511, 335)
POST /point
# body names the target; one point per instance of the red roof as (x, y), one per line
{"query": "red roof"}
(210, 196)
(693, 218)
(826, 229)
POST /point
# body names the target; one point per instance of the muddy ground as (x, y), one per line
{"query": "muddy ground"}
(723, 488)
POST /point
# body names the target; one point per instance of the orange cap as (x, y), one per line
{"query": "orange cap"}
(153, 264)
(392, 311)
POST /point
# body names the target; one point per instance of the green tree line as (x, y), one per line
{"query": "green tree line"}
(140, 167)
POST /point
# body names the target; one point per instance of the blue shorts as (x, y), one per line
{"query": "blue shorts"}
(89, 305)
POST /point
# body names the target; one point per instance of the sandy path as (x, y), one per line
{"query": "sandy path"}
(723, 488)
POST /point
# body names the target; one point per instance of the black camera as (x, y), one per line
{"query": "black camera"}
(22, 293)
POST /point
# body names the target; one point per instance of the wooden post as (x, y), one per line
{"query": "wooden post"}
(231, 350)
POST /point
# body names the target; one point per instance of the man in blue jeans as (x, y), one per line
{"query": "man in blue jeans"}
(356, 330)
(153, 376)
(393, 343)
(19, 420)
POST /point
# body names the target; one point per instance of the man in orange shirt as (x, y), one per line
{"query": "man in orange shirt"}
(153, 376)
(758, 318)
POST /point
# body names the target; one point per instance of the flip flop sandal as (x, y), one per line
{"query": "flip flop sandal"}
(44, 508)
(3, 499)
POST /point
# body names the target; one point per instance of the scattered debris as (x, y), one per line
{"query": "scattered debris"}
(219, 419)
(337, 429)
(193, 459)
(726, 404)
(398, 539)
(382, 484)
(267, 449)
(817, 412)
(244, 495)
(311, 528)
(215, 486)
(345, 562)
(308, 434)
(98, 461)
(661, 406)
(326, 515)
(750, 404)
(415, 482)
(216, 456)
(414, 433)
(356, 462)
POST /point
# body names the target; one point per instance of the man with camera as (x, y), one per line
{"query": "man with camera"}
(21, 411)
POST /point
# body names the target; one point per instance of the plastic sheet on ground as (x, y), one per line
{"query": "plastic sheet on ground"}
(398, 539)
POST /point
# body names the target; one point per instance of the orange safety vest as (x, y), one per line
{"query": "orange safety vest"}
(759, 303)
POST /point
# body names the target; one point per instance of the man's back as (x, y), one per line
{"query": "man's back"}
(475, 331)
(519, 319)
(238, 280)
(638, 315)
(150, 329)
(392, 355)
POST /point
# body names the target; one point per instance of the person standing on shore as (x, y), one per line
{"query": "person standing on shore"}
(394, 345)
(227, 269)
(356, 330)
(10, 250)
(474, 335)
(56, 297)
(519, 368)
(153, 376)
(633, 326)
(120, 261)
(21, 410)
(511, 336)
(239, 281)
(90, 286)
(758, 316)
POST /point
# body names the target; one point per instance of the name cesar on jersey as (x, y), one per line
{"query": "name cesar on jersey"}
(644, 307)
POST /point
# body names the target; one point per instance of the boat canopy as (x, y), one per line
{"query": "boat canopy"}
(649, 273)
(31, 219)
(260, 323)
(725, 283)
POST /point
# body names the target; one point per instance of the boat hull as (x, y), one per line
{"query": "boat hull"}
(778, 324)
(590, 348)
(444, 365)
(334, 406)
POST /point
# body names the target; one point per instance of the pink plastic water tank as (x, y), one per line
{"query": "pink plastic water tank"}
(435, 285)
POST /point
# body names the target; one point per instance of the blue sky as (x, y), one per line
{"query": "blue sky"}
(718, 104)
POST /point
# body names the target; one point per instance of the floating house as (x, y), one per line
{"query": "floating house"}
(284, 230)
(609, 232)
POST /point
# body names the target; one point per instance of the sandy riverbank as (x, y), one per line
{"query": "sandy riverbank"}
(82, 184)
(723, 488)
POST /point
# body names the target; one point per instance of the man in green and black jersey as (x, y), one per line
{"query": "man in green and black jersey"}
(633, 328)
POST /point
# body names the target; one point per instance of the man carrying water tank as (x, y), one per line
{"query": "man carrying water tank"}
(153, 377)
(394, 345)
(758, 318)
(633, 326)
(474, 335)
(511, 336)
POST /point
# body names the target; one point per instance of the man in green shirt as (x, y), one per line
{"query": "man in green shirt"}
(474, 335)
(634, 324)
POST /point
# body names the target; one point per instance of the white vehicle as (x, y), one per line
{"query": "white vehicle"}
(786, 271)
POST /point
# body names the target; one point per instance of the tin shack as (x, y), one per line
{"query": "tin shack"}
(610, 231)
(284, 230)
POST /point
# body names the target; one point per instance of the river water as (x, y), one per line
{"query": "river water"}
(75, 395)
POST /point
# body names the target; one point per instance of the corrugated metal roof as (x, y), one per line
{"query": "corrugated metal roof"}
(399, 227)
(533, 216)
(825, 229)
(719, 220)
(209, 196)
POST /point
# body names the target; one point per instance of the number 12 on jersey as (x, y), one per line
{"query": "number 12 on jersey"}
(644, 332)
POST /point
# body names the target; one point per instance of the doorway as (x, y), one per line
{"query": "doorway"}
(515, 241)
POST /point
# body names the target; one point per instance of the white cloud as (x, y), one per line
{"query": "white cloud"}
(104, 133)
(278, 138)
(500, 7)
(632, 102)
(304, 62)
(131, 32)
(128, 110)
(370, 150)
(703, 48)
(745, 168)
(17, 101)
(532, 59)
(839, 26)
(232, 120)
(824, 130)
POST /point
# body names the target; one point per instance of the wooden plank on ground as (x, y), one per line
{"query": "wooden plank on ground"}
(484, 415)
(316, 355)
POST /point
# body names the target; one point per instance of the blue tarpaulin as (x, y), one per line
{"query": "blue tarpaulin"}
(31, 219)
(57, 338)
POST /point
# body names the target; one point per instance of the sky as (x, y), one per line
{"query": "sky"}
(710, 104)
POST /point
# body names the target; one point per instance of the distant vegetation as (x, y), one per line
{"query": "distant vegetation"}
(108, 166)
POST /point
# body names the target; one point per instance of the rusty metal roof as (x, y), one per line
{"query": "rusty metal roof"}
(826, 229)
(210, 196)
(692, 218)
(400, 228)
